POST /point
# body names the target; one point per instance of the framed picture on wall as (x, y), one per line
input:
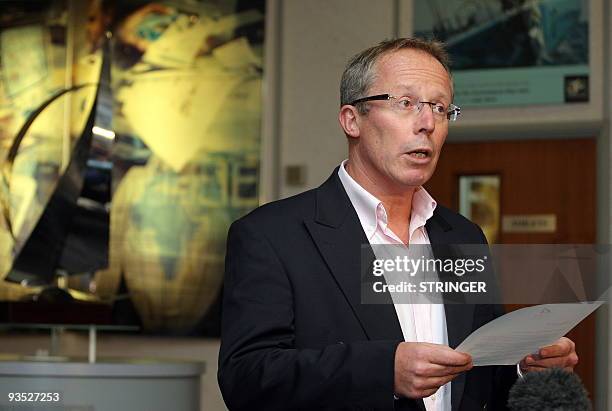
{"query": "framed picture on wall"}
(508, 53)
(479, 201)
(172, 155)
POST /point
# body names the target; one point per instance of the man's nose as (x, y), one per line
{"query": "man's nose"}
(425, 119)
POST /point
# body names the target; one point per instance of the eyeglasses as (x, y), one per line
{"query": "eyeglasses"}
(407, 104)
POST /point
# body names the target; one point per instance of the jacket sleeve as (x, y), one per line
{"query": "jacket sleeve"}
(259, 364)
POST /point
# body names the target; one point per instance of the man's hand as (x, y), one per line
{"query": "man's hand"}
(561, 354)
(422, 368)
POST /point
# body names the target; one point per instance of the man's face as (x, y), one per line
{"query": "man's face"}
(395, 150)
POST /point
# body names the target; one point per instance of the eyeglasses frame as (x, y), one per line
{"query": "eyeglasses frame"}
(452, 112)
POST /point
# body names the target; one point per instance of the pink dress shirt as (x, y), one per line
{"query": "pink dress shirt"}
(419, 322)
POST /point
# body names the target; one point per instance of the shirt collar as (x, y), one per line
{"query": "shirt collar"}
(423, 206)
(365, 204)
(371, 210)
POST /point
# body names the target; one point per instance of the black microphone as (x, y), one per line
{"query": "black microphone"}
(551, 390)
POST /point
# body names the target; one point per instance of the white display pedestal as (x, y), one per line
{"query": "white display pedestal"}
(106, 385)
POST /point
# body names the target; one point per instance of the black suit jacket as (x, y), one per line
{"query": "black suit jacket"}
(294, 333)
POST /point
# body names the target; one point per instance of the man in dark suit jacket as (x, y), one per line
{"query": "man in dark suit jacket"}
(295, 333)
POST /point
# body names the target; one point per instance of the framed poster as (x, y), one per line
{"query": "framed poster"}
(479, 201)
(172, 154)
(512, 52)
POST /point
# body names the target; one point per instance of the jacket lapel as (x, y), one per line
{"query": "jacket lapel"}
(459, 317)
(339, 237)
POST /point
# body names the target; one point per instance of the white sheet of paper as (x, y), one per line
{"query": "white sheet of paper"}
(509, 338)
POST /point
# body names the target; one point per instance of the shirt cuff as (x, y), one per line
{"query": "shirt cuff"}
(519, 372)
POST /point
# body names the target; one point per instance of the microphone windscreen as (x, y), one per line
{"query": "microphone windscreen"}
(551, 390)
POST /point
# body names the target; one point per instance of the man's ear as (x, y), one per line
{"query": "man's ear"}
(349, 120)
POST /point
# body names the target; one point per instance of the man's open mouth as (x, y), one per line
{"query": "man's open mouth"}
(419, 153)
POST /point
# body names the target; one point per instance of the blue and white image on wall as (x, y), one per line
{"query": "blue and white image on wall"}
(512, 52)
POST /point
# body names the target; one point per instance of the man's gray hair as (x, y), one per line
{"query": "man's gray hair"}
(360, 73)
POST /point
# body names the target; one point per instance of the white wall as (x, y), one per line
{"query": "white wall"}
(317, 39)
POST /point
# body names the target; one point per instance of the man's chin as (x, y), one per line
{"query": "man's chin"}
(414, 179)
